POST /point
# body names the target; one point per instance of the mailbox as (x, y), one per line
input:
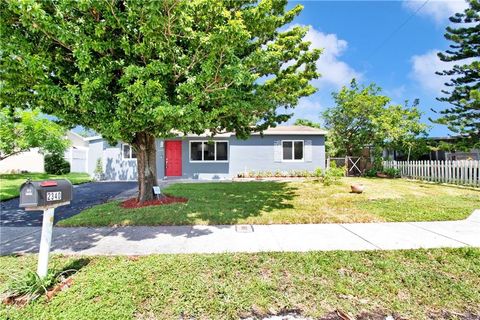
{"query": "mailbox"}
(45, 194)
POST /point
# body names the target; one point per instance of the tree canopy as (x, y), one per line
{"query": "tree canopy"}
(136, 70)
(362, 117)
(21, 130)
(308, 123)
(464, 115)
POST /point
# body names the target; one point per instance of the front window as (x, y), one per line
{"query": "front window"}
(292, 150)
(207, 151)
(128, 153)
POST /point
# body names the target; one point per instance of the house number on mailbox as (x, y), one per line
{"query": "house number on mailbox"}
(54, 196)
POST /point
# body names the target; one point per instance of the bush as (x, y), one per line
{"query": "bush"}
(318, 173)
(56, 164)
(30, 285)
(333, 174)
(392, 172)
(98, 172)
(370, 173)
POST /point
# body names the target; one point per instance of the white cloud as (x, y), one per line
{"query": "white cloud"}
(396, 92)
(307, 108)
(334, 71)
(423, 71)
(438, 10)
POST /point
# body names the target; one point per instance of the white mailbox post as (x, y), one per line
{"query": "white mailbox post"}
(46, 196)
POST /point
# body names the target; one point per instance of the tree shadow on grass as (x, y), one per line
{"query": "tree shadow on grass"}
(223, 203)
(220, 204)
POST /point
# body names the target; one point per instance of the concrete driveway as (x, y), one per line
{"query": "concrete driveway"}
(84, 196)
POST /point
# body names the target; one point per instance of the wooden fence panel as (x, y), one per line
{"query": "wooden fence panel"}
(462, 172)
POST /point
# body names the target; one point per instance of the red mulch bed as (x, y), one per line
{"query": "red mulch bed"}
(133, 203)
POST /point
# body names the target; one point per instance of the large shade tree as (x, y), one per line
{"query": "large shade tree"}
(136, 70)
(464, 95)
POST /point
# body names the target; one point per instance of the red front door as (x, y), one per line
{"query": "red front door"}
(173, 158)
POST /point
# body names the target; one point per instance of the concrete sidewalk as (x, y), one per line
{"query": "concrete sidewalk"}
(247, 238)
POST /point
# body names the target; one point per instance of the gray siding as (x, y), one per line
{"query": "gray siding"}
(115, 168)
(255, 154)
(207, 170)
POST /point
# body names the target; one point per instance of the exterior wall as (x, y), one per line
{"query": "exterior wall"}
(76, 140)
(77, 157)
(31, 161)
(258, 154)
(115, 167)
(95, 152)
(255, 154)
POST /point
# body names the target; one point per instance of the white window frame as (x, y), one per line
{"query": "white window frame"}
(123, 154)
(203, 154)
(293, 151)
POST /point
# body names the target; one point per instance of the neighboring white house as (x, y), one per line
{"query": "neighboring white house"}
(33, 160)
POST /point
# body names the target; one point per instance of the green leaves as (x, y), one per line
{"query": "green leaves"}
(463, 116)
(362, 118)
(21, 130)
(142, 65)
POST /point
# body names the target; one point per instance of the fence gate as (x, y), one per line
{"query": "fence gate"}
(355, 166)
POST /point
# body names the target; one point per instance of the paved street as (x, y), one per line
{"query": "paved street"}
(256, 238)
(85, 196)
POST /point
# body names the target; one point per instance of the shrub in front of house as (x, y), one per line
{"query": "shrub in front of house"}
(370, 173)
(333, 174)
(281, 174)
(276, 174)
(392, 172)
(56, 164)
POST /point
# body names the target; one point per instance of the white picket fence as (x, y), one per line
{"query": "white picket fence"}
(462, 172)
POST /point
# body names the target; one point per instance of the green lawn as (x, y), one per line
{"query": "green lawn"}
(292, 202)
(414, 284)
(10, 183)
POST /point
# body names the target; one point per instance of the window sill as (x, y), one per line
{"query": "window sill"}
(209, 161)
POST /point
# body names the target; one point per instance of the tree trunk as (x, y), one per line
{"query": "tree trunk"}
(144, 146)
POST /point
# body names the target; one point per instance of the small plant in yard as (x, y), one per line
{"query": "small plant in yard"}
(98, 172)
(29, 286)
(392, 172)
(333, 174)
(318, 173)
(370, 173)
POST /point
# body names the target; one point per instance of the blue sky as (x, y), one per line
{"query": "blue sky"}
(386, 42)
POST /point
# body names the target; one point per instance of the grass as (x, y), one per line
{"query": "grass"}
(412, 284)
(10, 183)
(292, 202)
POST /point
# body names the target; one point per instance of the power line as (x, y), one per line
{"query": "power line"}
(397, 29)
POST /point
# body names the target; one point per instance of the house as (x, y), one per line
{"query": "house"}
(282, 148)
(33, 159)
